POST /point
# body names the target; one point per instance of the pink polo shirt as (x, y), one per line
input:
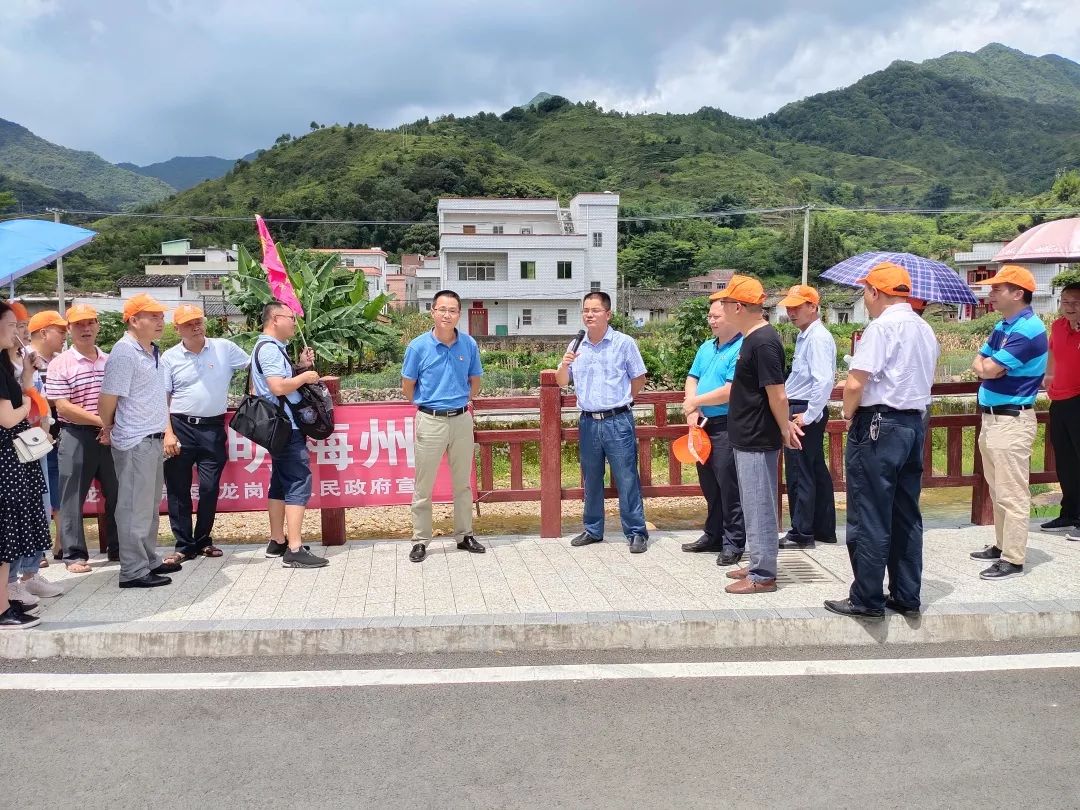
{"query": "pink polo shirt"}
(76, 378)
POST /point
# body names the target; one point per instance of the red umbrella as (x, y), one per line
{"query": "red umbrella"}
(1051, 242)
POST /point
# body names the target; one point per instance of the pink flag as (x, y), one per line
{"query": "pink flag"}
(275, 270)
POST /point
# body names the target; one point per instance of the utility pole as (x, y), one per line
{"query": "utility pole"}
(806, 244)
(59, 271)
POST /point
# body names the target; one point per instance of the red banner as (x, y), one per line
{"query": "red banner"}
(368, 461)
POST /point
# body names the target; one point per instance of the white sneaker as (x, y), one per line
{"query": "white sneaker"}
(16, 590)
(39, 586)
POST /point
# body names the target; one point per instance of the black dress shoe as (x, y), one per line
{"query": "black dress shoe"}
(151, 580)
(988, 553)
(831, 539)
(167, 568)
(469, 543)
(898, 607)
(845, 608)
(585, 539)
(787, 542)
(14, 619)
(419, 551)
(703, 543)
(638, 544)
(729, 558)
(113, 555)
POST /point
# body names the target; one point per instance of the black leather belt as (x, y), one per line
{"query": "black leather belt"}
(887, 409)
(1005, 410)
(716, 424)
(155, 436)
(434, 412)
(73, 426)
(200, 420)
(605, 414)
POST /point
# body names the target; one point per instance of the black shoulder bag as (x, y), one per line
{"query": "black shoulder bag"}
(261, 420)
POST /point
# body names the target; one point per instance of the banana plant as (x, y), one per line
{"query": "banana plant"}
(340, 323)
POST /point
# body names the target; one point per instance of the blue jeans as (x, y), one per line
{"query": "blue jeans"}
(758, 475)
(884, 524)
(24, 565)
(290, 473)
(613, 440)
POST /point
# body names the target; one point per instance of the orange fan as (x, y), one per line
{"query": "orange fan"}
(694, 447)
(39, 408)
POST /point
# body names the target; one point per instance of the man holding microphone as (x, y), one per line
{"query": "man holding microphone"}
(608, 372)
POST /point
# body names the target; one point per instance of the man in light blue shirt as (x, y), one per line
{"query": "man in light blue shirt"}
(197, 373)
(607, 372)
(708, 386)
(442, 374)
(272, 376)
(813, 374)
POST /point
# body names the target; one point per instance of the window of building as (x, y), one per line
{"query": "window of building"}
(594, 286)
(564, 269)
(528, 271)
(427, 306)
(496, 228)
(562, 317)
(526, 229)
(526, 317)
(841, 317)
(429, 284)
(348, 261)
(476, 271)
(597, 239)
(468, 229)
(656, 314)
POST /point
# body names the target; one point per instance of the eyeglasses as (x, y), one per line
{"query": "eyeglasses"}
(290, 317)
(714, 317)
(593, 311)
(445, 311)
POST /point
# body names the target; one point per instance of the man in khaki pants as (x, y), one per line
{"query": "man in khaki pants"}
(1011, 365)
(441, 374)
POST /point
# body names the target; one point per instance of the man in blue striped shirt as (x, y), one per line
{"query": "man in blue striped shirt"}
(1011, 365)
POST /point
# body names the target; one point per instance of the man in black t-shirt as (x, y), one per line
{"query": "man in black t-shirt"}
(758, 427)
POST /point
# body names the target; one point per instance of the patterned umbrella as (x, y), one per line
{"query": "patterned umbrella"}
(1049, 243)
(930, 280)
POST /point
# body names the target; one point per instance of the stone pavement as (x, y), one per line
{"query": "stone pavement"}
(527, 593)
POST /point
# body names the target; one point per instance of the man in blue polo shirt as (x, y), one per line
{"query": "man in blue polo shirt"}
(442, 374)
(708, 386)
(1011, 365)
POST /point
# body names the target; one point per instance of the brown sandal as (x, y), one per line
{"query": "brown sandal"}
(211, 551)
(82, 567)
(175, 557)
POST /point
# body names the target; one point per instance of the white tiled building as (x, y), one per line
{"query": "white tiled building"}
(428, 282)
(978, 265)
(522, 266)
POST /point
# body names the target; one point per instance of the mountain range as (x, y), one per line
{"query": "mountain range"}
(964, 128)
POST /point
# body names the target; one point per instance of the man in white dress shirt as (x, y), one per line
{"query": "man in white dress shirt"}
(813, 374)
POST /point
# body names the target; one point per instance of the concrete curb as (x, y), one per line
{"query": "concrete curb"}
(544, 631)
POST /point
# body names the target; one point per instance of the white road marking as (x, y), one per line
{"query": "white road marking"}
(321, 679)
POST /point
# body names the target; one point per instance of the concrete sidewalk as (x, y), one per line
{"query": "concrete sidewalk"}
(527, 593)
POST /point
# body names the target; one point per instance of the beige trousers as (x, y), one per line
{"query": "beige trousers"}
(1005, 443)
(435, 435)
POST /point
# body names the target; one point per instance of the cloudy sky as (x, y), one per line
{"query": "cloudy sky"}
(143, 80)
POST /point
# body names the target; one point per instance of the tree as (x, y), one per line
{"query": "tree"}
(825, 246)
(655, 259)
(422, 238)
(7, 200)
(339, 321)
(937, 197)
(1067, 188)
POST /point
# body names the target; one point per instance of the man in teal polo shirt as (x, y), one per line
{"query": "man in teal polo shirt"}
(441, 374)
(1011, 365)
(708, 386)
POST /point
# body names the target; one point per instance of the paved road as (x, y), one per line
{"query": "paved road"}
(1005, 739)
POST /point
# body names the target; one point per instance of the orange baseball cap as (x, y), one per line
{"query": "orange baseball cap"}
(693, 447)
(80, 312)
(917, 304)
(185, 313)
(141, 303)
(743, 289)
(889, 278)
(20, 311)
(800, 294)
(43, 320)
(1013, 274)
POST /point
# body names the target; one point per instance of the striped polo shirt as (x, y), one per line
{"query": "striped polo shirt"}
(134, 376)
(1020, 345)
(76, 378)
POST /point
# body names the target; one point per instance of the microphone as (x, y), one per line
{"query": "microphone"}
(577, 340)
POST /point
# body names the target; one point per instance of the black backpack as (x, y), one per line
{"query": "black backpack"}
(314, 413)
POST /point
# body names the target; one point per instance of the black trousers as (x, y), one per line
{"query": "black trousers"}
(884, 523)
(809, 485)
(201, 446)
(1065, 437)
(720, 486)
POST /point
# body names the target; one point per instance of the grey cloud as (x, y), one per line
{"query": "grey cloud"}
(144, 80)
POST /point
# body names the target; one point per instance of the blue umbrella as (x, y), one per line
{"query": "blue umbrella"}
(930, 280)
(27, 245)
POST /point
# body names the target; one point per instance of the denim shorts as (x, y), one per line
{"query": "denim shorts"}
(290, 473)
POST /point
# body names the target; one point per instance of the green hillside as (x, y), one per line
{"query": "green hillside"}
(1004, 71)
(909, 135)
(181, 173)
(31, 197)
(25, 156)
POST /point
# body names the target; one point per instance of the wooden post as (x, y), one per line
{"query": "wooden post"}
(550, 456)
(333, 520)
(102, 532)
(982, 507)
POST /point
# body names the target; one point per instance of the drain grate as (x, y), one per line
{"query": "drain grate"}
(796, 567)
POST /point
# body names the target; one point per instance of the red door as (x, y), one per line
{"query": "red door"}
(478, 319)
